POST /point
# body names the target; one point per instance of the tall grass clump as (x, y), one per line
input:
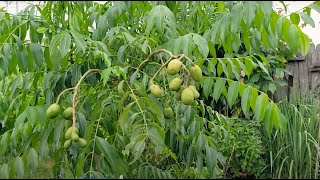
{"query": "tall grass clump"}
(294, 153)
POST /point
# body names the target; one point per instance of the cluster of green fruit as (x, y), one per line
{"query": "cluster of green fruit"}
(73, 136)
(53, 111)
(187, 94)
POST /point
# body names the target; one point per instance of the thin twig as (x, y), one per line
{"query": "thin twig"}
(64, 91)
(156, 52)
(74, 103)
(183, 56)
(186, 70)
(163, 74)
(164, 65)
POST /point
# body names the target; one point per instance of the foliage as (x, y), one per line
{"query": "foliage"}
(243, 149)
(295, 153)
(127, 134)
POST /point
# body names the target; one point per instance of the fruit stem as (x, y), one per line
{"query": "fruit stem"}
(156, 52)
(64, 91)
(163, 74)
(186, 69)
(74, 102)
(164, 65)
(188, 59)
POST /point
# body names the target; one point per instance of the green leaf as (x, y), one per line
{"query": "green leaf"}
(4, 171)
(107, 151)
(42, 29)
(138, 148)
(307, 19)
(295, 18)
(105, 75)
(153, 106)
(315, 7)
(32, 160)
(160, 16)
(249, 12)
(253, 98)
(224, 25)
(61, 42)
(236, 16)
(279, 26)
(246, 37)
(268, 118)
(272, 87)
(266, 7)
(233, 91)
(211, 159)
(249, 65)
(264, 38)
(201, 143)
(78, 40)
(202, 45)
(263, 67)
(133, 77)
(245, 101)
(194, 128)
(207, 87)
(260, 106)
(19, 168)
(124, 115)
(292, 38)
(37, 53)
(121, 53)
(218, 88)
(275, 117)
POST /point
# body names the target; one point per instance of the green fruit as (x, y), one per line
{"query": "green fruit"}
(187, 96)
(67, 113)
(196, 73)
(120, 88)
(168, 112)
(175, 84)
(155, 90)
(174, 66)
(82, 142)
(74, 136)
(177, 94)
(195, 92)
(53, 111)
(67, 144)
(68, 133)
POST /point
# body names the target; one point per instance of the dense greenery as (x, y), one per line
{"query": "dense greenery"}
(109, 54)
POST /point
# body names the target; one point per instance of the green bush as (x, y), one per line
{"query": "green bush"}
(243, 149)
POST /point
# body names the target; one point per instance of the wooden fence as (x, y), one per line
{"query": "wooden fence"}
(305, 72)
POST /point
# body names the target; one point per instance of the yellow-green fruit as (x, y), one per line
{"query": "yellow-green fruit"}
(53, 111)
(174, 66)
(67, 113)
(168, 112)
(120, 88)
(177, 94)
(155, 90)
(67, 144)
(195, 92)
(82, 142)
(196, 72)
(68, 133)
(74, 136)
(187, 96)
(175, 84)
